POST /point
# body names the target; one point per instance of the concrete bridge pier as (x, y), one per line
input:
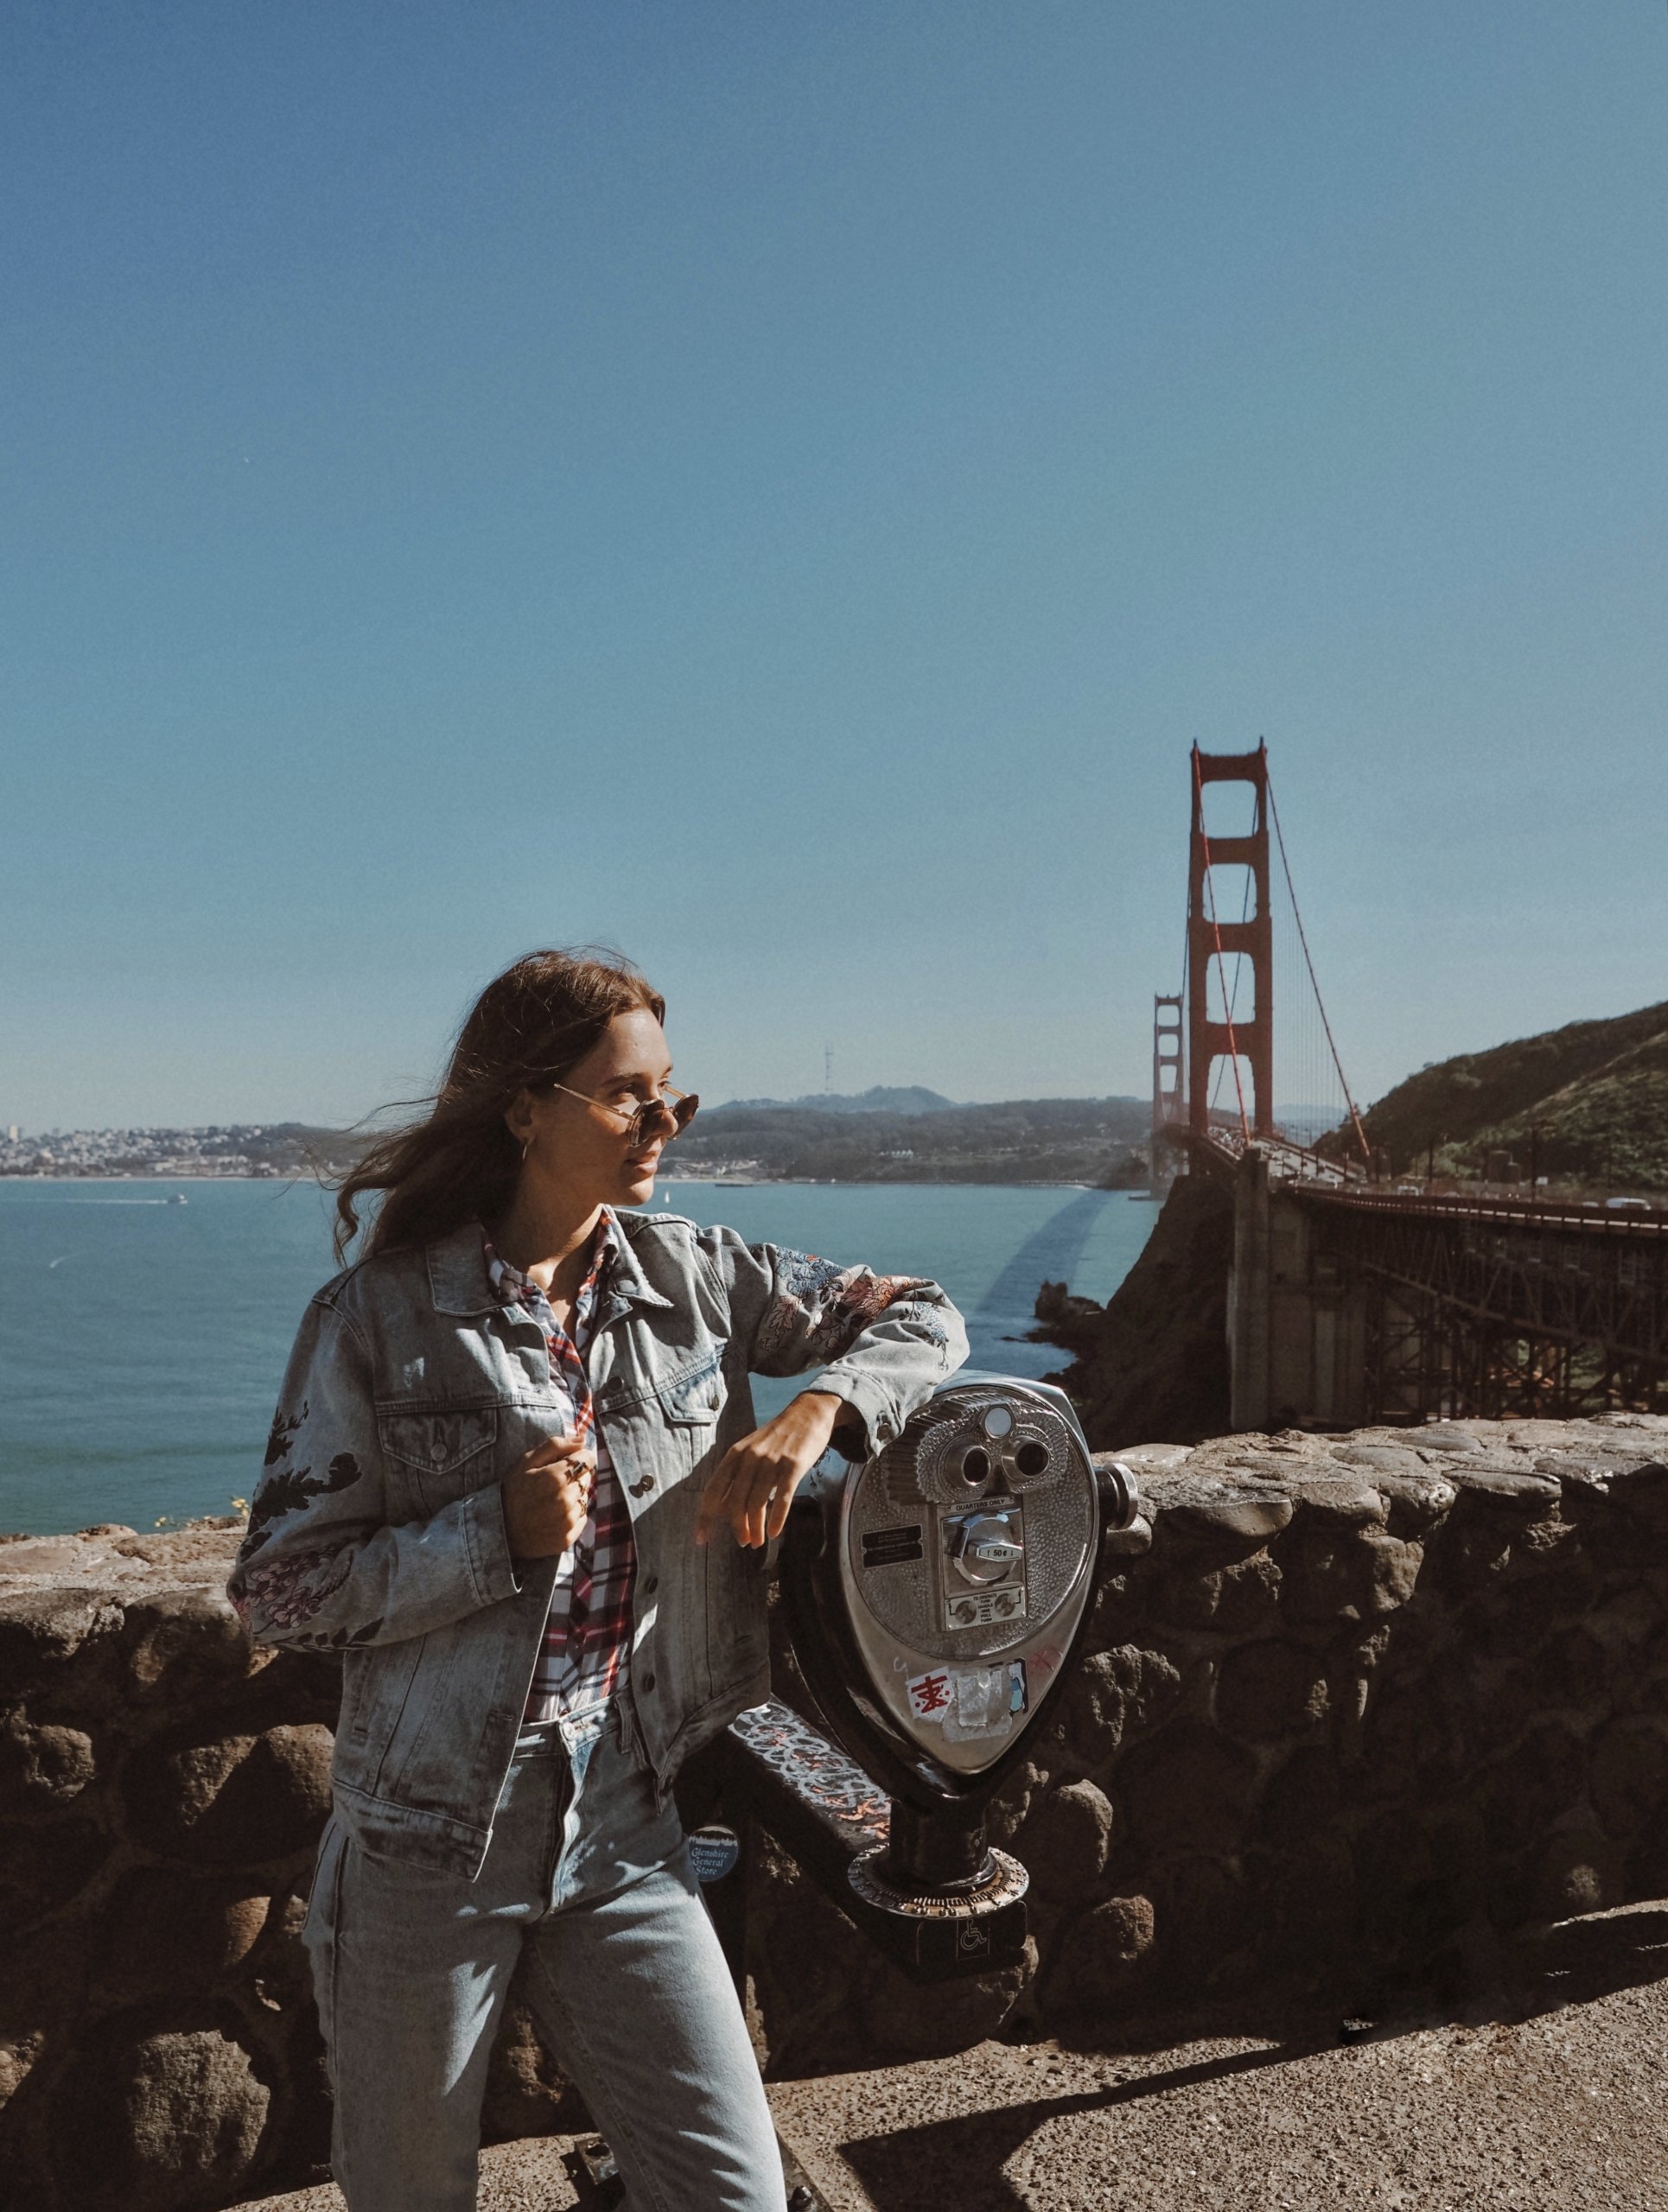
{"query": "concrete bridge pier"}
(1297, 1325)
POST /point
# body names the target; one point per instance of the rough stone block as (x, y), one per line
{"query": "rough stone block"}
(1235, 1600)
(1571, 1668)
(1189, 1790)
(1123, 1691)
(1011, 1806)
(1065, 1843)
(163, 1931)
(181, 1642)
(1270, 1689)
(43, 1768)
(1392, 1459)
(41, 1631)
(1642, 1493)
(1127, 1543)
(1097, 1955)
(1578, 1870)
(1629, 1776)
(1303, 1900)
(1534, 1786)
(1202, 1904)
(1301, 1800)
(1505, 1490)
(1216, 1513)
(1392, 1571)
(1414, 1503)
(1325, 1577)
(159, 2118)
(42, 1867)
(902, 2020)
(1408, 1724)
(233, 1799)
(526, 2092)
(1338, 1501)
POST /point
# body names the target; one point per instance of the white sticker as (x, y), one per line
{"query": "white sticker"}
(979, 1704)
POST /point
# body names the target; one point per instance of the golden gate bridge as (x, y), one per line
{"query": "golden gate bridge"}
(1357, 1296)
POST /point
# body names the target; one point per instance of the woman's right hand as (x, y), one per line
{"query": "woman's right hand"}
(547, 1496)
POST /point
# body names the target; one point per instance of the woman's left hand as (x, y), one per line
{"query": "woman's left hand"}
(754, 1484)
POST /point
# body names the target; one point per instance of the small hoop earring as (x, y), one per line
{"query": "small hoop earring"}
(526, 1148)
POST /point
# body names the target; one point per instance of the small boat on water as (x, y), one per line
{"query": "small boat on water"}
(179, 1198)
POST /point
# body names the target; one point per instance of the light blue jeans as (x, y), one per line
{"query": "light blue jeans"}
(626, 1980)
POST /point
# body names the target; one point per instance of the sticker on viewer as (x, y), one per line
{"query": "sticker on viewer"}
(946, 1689)
(929, 1694)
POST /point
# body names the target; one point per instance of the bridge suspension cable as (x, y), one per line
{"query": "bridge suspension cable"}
(1302, 939)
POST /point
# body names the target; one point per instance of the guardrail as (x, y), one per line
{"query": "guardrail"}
(1520, 1213)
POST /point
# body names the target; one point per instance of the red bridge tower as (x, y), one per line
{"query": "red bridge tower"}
(1244, 1032)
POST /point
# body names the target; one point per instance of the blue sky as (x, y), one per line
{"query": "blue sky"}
(780, 489)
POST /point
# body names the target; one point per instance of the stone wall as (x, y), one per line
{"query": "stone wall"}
(1355, 1708)
(162, 1790)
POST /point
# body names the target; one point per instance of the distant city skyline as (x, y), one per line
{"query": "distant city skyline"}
(780, 492)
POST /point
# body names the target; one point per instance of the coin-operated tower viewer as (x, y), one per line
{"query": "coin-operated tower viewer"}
(936, 1596)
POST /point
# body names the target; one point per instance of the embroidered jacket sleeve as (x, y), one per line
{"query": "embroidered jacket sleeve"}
(320, 1566)
(884, 1342)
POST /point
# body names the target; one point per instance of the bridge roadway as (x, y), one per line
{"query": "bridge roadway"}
(1353, 1302)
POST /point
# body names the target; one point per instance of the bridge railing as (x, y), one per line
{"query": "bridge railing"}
(1287, 1162)
(1632, 1220)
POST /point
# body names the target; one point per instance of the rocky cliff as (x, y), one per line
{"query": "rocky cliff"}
(1154, 1360)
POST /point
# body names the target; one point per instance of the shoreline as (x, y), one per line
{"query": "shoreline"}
(702, 1182)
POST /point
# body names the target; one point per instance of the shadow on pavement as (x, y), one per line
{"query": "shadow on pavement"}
(1577, 1960)
(958, 2160)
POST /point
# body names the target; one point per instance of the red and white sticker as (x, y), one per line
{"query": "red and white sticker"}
(929, 1694)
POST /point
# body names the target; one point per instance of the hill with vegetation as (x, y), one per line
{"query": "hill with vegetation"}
(1020, 1141)
(880, 1098)
(1587, 1103)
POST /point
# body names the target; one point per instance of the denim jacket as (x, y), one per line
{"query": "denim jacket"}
(378, 1527)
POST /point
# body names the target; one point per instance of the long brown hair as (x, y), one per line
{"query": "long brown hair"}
(528, 1028)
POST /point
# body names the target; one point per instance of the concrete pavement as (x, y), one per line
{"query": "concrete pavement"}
(1548, 2095)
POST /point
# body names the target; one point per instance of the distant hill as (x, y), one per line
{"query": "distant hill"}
(1018, 1141)
(1591, 1098)
(910, 1098)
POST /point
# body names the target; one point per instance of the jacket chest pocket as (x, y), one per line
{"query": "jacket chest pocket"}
(693, 1401)
(690, 1405)
(442, 1455)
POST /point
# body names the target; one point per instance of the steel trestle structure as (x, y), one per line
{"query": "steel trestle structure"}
(1498, 1310)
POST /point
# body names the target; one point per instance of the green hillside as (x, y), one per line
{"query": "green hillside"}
(1018, 1141)
(1591, 1100)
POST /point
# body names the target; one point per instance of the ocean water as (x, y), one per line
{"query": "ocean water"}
(142, 1341)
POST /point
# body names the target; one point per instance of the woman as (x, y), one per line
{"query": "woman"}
(515, 1478)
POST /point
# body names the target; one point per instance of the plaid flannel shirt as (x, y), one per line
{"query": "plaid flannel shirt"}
(582, 1659)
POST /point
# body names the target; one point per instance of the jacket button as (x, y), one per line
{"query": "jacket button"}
(651, 1584)
(648, 1681)
(642, 1489)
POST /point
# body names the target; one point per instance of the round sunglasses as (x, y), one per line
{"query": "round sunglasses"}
(677, 1107)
